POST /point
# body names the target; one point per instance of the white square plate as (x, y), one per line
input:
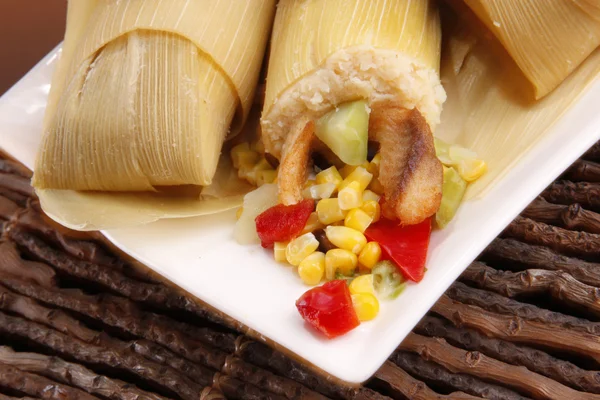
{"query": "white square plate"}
(200, 255)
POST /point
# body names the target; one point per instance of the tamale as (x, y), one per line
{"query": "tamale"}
(491, 108)
(144, 96)
(387, 53)
(548, 39)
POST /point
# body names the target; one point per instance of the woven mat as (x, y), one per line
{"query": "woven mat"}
(78, 322)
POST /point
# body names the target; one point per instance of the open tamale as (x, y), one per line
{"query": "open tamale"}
(548, 39)
(144, 96)
(326, 55)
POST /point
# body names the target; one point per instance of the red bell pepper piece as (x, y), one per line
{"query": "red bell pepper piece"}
(329, 309)
(282, 223)
(406, 245)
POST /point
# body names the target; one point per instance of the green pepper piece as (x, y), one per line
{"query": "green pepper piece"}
(387, 280)
(453, 190)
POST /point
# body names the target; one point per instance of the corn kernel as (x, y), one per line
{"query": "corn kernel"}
(313, 223)
(265, 176)
(346, 238)
(373, 209)
(279, 251)
(258, 146)
(312, 268)
(329, 211)
(239, 212)
(340, 260)
(350, 196)
(243, 155)
(347, 170)
(376, 186)
(360, 175)
(376, 161)
(358, 219)
(370, 255)
(471, 170)
(263, 165)
(247, 172)
(329, 175)
(366, 306)
(362, 284)
(369, 195)
(300, 248)
(322, 191)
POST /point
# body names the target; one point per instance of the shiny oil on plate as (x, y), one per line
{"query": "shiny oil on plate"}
(200, 255)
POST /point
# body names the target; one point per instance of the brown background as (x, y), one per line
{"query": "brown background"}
(28, 30)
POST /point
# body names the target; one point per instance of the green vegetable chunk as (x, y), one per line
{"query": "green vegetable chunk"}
(387, 280)
(453, 191)
(345, 131)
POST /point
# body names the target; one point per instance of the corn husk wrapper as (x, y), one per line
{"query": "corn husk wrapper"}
(327, 52)
(548, 39)
(491, 108)
(144, 96)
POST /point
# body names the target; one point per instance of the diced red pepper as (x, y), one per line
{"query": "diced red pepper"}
(282, 223)
(329, 309)
(406, 245)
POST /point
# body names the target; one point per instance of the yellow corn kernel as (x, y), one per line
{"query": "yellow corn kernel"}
(313, 223)
(247, 172)
(329, 211)
(360, 175)
(239, 212)
(347, 170)
(312, 268)
(362, 284)
(263, 165)
(339, 260)
(321, 191)
(373, 209)
(471, 170)
(265, 176)
(279, 251)
(366, 306)
(243, 155)
(369, 195)
(370, 255)
(300, 248)
(329, 175)
(376, 186)
(350, 197)
(358, 219)
(346, 238)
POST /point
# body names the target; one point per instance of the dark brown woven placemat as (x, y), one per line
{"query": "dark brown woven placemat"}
(78, 322)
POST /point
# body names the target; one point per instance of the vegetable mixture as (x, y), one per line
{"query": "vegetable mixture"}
(337, 234)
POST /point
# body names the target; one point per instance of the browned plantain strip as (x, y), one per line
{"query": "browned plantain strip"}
(540, 257)
(234, 389)
(572, 217)
(566, 192)
(5, 397)
(476, 363)
(558, 284)
(533, 359)
(35, 385)
(516, 329)
(74, 375)
(411, 388)
(17, 198)
(410, 172)
(293, 169)
(8, 208)
(581, 244)
(431, 372)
